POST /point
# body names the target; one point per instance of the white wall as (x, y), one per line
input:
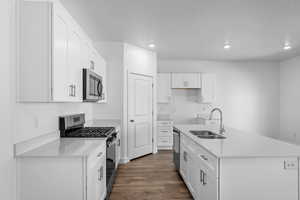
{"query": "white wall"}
(289, 100)
(113, 54)
(140, 61)
(248, 93)
(6, 148)
(33, 120)
(122, 58)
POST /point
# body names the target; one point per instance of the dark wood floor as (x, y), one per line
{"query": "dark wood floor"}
(152, 177)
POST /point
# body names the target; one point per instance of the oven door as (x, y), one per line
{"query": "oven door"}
(92, 86)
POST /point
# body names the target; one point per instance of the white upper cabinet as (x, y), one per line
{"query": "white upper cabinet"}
(208, 90)
(186, 80)
(61, 90)
(53, 50)
(164, 88)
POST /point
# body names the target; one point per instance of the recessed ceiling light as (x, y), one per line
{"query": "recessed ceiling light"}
(227, 46)
(287, 46)
(151, 45)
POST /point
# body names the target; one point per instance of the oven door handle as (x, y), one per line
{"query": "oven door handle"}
(112, 142)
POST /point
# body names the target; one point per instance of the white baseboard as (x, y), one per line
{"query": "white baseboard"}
(124, 160)
(165, 148)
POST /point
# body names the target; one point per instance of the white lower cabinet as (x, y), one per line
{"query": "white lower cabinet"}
(96, 178)
(260, 178)
(164, 134)
(199, 171)
(62, 178)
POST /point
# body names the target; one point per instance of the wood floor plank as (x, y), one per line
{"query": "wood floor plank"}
(152, 177)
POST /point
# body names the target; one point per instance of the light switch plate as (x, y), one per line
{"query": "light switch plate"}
(290, 164)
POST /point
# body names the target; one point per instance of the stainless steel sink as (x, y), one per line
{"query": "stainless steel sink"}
(207, 134)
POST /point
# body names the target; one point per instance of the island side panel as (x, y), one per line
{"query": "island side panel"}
(258, 178)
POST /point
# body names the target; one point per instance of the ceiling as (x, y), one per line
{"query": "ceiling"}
(195, 29)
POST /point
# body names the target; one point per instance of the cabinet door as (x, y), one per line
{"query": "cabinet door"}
(96, 180)
(186, 80)
(191, 80)
(183, 161)
(207, 187)
(163, 87)
(177, 80)
(60, 73)
(86, 55)
(208, 89)
(74, 62)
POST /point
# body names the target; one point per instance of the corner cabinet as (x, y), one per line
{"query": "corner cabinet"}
(62, 177)
(53, 51)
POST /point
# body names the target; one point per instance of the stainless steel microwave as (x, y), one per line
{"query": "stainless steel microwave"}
(92, 86)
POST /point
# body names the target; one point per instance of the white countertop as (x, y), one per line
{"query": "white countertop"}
(238, 144)
(66, 147)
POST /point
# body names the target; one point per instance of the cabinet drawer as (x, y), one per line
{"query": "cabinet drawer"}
(165, 123)
(164, 132)
(200, 153)
(207, 159)
(164, 140)
(97, 155)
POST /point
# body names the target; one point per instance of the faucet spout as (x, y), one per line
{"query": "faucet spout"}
(222, 129)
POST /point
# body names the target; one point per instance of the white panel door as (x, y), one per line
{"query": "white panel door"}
(163, 87)
(60, 83)
(140, 103)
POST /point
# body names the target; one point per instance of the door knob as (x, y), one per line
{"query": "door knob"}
(131, 120)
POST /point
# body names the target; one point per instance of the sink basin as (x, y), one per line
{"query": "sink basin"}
(207, 135)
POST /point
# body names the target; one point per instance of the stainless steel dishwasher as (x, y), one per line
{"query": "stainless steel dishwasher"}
(176, 148)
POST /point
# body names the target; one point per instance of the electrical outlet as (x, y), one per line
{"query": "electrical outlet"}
(290, 164)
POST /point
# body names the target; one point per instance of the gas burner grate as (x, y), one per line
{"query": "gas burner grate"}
(92, 132)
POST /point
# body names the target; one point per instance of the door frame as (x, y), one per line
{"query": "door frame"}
(127, 115)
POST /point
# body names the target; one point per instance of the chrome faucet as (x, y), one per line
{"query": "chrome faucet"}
(222, 129)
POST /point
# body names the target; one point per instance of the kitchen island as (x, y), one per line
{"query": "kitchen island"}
(242, 166)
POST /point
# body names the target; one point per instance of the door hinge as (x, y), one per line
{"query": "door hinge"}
(152, 85)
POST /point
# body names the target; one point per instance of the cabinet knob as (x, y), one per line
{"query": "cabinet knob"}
(131, 120)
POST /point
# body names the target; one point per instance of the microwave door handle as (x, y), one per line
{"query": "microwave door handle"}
(99, 88)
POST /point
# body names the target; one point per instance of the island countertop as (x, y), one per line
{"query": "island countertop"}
(239, 144)
(66, 147)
